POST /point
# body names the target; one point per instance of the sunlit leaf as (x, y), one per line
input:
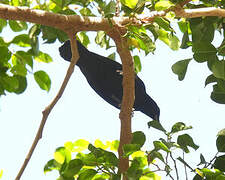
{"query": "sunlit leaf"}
(137, 64)
(43, 80)
(163, 5)
(130, 3)
(43, 57)
(22, 40)
(80, 145)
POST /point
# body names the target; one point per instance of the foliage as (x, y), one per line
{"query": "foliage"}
(198, 33)
(99, 162)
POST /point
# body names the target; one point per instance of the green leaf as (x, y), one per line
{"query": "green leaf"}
(180, 68)
(185, 41)
(203, 51)
(62, 155)
(73, 168)
(186, 140)
(218, 94)
(202, 29)
(137, 64)
(87, 159)
(1, 173)
(17, 26)
(80, 145)
(19, 69)
(84, 39)
(174, 42)
(134, 171)
(156, 124)
(5, 54)
(138, 137)
(179, 126)
(87, 174)
(114, 145)
(3, 23)
(43, 57)
(128, 149)
(160, 145)
(100, 37)
(99, 144)
(86, 12)
(22, 40)
(9, 83)
(155, 154)
(130, 3)
(43, 80)
(220, 141)
(110, 9)
(218, 69)
(163, 23)
(50, 165)
(163, 5)
(112, 56)
(210, 79)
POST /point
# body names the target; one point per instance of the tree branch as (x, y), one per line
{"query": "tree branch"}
(46, 112)
(128, 93)
(199, 12)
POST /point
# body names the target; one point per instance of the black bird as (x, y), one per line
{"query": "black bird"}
(105, 77)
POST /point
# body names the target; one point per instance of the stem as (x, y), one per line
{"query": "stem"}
(175, 165)
(48, 109)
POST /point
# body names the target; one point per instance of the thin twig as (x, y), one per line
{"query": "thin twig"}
(48, 109)
(175, 165)
(117, 8)
(185, 169)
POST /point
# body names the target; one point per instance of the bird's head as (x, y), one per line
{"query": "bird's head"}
(65, 50)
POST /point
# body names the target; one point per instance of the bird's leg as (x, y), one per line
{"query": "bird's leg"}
(120, 72)
(132, 112)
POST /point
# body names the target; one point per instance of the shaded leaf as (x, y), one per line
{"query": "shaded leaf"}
(138, 137)
(210, 79)
(160, 146)
(179, 126)
(220, 141)
(73, 167)
(87, 174)
(22, 84)
(156, 124)
(186, 140)
(180, 68)
(128, 149)
(17, 26)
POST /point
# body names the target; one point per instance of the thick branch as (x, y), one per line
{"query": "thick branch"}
(128, 93)
(193, 13)
(46, 112)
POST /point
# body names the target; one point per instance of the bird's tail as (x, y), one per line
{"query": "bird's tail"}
(150, 108)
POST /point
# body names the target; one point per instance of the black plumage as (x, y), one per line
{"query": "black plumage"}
(105, 77)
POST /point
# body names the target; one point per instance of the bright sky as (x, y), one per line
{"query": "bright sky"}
(81, 113)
